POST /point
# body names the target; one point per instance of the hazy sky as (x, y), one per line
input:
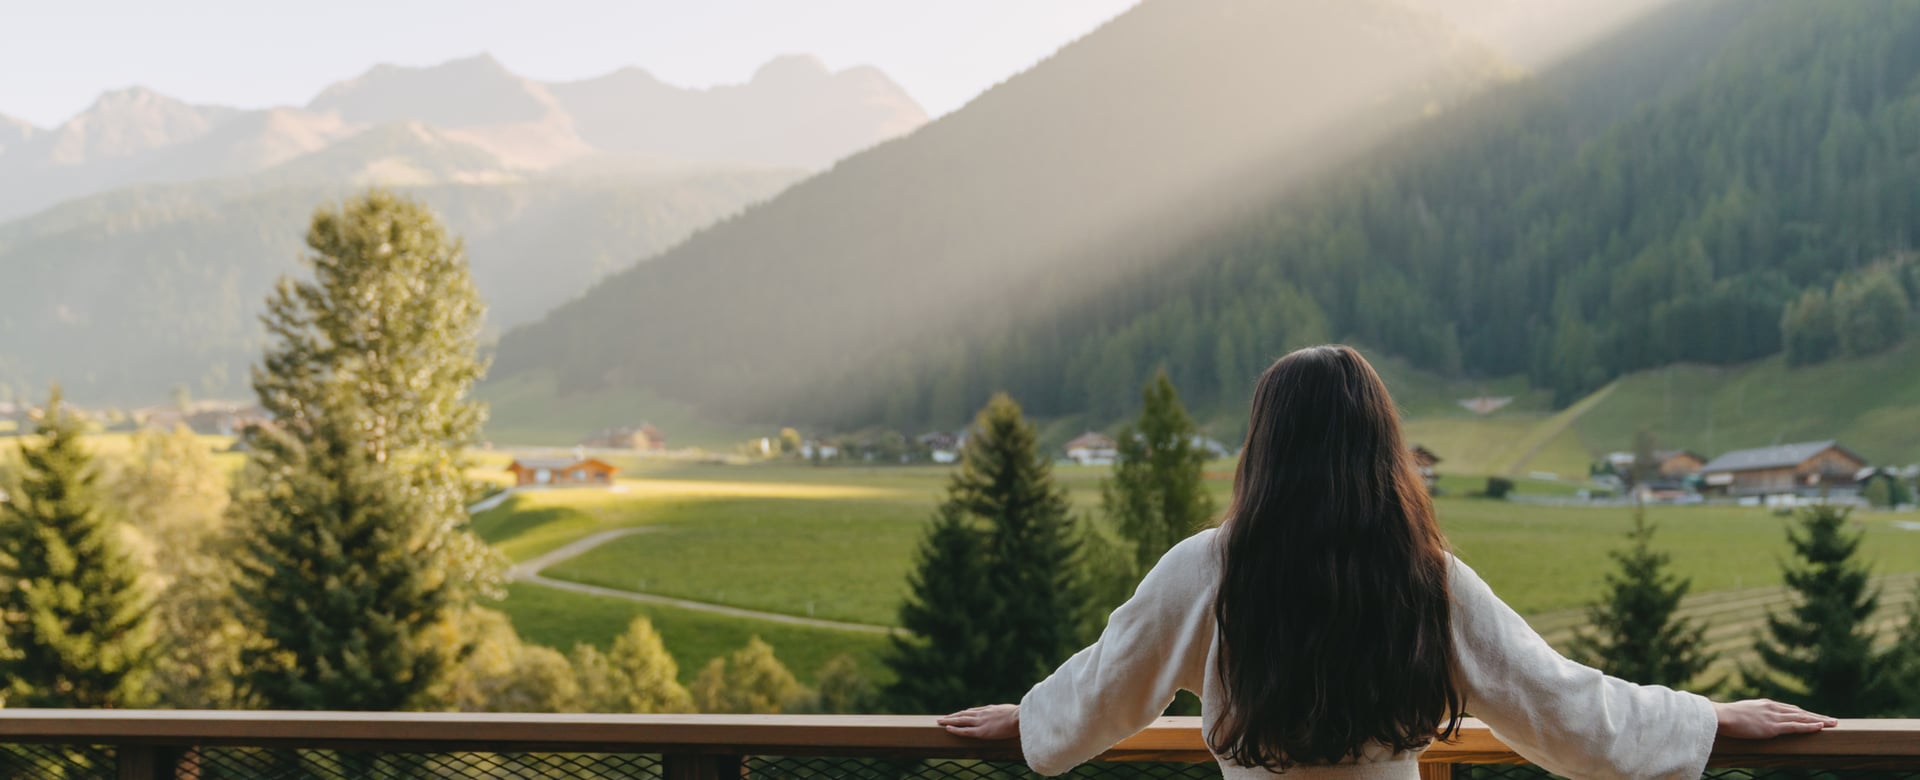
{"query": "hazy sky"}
(56, 56)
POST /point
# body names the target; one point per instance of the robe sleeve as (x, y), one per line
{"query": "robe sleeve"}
(1154, 645)
(1566, 717)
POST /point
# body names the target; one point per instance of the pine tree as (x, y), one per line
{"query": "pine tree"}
(1820, 654)
(1636, 631)
(1034, 591)
(1900, 667)
(635, 675)
(356, 542)
(75, 614)
(1155, 497)
(943, 650)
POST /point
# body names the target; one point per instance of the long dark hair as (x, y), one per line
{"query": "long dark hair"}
(1333, 602)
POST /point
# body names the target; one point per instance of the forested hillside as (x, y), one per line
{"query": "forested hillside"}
(1658, 199)
(839, 300)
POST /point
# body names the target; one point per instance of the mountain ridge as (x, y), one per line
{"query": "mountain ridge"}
(136, 135)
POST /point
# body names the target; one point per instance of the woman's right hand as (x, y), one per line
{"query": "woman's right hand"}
(1766, 719)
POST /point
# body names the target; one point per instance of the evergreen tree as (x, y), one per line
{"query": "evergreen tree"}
(1820, 654)
(996, 601)
(73, 608)
(1636, 631)
(356, 543)
(1900, 667)
(337, 576)
(635, 675)
(1155, 497)
(392, 313)
(1034, 591)
(943, 650)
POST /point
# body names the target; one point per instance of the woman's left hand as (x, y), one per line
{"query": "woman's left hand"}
(994, 721)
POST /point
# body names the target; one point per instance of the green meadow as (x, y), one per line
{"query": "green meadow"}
(838, 543)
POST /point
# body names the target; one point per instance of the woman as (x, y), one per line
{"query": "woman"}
(1329, 632)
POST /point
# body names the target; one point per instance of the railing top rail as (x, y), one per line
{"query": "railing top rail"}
(800, 735)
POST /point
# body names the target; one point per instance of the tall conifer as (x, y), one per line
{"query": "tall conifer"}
(997, 600)
(1636, 631)
(1156, 497)
(75, 614)
(354, 499)
(943, 651)
(1819, 654)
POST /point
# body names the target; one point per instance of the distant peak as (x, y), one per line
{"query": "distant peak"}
(481, 61)
(130, 96)
(787, 67)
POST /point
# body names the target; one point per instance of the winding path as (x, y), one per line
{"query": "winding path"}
(528, 571)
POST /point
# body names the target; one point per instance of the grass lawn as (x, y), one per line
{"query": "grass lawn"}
(1871, 404)
(838, 543)
(561, 619)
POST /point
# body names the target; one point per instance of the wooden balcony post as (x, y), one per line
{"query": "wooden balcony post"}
(688, 766)
(1434, 771)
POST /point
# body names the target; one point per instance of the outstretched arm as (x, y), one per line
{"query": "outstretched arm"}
(1153, 646)
(1576, 721)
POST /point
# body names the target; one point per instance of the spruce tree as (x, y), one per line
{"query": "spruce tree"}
(75, 613)
(1155, 497)
(1034, 590)
(353, 503)
(942, 652)
(1636, 631)
(337, 575)
(996, 599)
(1819, 654)
(391, 312)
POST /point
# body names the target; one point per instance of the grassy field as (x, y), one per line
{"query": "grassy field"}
(1871, 404)
(837, 543)
(562, 619)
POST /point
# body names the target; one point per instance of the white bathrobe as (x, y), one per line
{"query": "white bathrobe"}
(1561, 715)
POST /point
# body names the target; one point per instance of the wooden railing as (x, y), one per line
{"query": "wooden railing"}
(153, 744)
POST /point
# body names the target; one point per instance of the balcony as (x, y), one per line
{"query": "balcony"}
(200, 745)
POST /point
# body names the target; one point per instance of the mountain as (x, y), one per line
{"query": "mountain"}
(1657, 198)
(793, 113)
(14, 132)
(138, 239)
(99, 148)
(1070, 177)
(122, 296)
(474, 100)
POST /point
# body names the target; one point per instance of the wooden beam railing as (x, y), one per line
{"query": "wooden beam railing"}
(149, 743)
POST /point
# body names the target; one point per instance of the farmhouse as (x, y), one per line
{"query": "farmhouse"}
(561, 472)
(1678, 464)
(1807, 468)
(1093, 449)
(941, 447)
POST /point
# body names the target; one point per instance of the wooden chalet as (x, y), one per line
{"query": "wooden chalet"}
(1806, 468)
(561, 472)
(1093, 449)
(1678, 464)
